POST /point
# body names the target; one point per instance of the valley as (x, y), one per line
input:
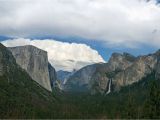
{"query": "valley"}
(23, 97)
(80, 59)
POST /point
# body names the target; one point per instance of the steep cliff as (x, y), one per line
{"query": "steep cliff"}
(80, 80)
(93, 77)
(143, 66)
(21, 97)
(63, 76)
(123, 70)
(7, 61)
(52, 74)
(120, 61)
(35, 62)
(101, 78)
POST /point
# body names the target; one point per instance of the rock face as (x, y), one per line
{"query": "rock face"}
(17, 88)
(120, 61)
(35, 62)
(121, 70)
(52, 74)
(63, 76)
(143, 66)
(80, 80)
(117, 63)
(7, 61)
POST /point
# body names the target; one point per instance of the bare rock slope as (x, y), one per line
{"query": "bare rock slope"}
(35, 62)
(121, 70)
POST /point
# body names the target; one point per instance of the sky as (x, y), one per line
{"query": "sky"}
(76, 33)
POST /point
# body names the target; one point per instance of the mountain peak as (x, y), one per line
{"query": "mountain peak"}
(27, 47)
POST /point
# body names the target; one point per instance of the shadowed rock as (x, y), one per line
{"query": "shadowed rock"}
(35, 62)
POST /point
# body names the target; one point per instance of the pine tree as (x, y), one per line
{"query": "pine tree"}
(130, 108)
(152, 104)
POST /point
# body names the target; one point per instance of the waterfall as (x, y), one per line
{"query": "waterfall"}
(109, 88)
(65, 80)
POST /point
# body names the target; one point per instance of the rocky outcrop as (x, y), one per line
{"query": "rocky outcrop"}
(93, 77)
(157, 67)
(18, 92)
(52, 74)
(120, 61)
(121, 70)
(35, 62)
(117, 63)
(80, 80)
(143, 66)
(63, 76)
(125, 70)
(7, 61)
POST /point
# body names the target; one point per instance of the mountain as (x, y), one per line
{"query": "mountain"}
(52, 75)
(63, 75)
(121, 70)
(117, 63)
(139, 100)
(143, 66)
(21, 97)
(35, 62)
(80, 80)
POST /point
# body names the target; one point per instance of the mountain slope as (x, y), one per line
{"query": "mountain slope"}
(93, 77)
(21, 97)
(52, 74)
(63, 75)
(143, 66)
(121, 70)
(137, 101)
(35, 62)
(80, 80)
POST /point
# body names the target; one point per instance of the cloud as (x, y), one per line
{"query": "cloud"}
(125, 23)
(62, 55)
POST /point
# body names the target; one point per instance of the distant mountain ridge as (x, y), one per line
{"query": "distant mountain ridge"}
(121, 69)
(63, 75)
(23, 98)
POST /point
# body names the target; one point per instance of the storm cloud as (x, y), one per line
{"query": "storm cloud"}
(125, 23)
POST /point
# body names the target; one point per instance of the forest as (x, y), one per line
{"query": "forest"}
(139, 100)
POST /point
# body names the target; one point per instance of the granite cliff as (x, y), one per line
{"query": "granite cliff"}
(7, 61)
(121, 70)
(21, 97)
(80, 80)
(35, 62)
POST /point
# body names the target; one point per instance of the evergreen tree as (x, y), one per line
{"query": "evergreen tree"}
(152, 104)
(130, 108)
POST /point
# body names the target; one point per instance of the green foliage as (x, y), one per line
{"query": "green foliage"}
(130, 107)
(152, 104)
(21, 97)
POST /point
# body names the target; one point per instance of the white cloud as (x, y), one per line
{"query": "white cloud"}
(126, 23)
(62, 55)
